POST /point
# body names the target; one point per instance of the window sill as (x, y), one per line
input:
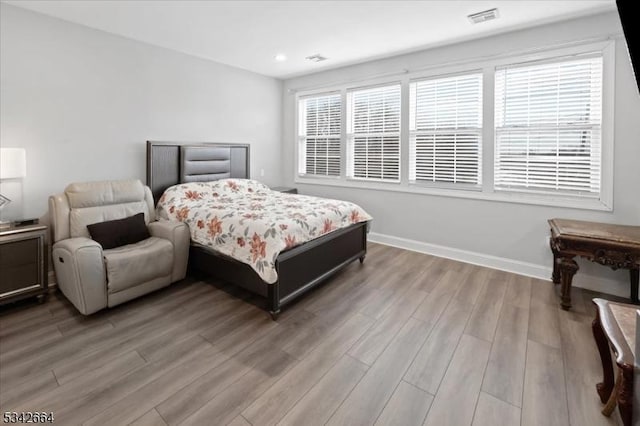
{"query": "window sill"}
(469, 193)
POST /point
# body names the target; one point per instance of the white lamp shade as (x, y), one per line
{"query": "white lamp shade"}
(13, 163)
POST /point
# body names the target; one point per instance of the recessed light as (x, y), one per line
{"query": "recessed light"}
(316, 58)
(280, 57)
(485, 15)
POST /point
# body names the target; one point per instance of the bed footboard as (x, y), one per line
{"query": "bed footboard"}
(299, 269)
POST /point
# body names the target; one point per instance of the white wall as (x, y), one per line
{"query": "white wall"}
(506, 235)
(83, 102)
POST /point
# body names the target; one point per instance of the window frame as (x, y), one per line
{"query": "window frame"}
(451, 185)
(539, 129)
(350, 134)
(301, 157)
(486, 192)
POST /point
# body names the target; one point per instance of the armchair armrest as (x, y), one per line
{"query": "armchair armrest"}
(178, 234)
(80, 273)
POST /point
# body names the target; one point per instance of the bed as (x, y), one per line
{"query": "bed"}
(298, 269)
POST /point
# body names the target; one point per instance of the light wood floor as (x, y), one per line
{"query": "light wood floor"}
(404, 339)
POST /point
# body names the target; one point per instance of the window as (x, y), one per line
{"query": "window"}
(445, 124)
(536, 128)
(548, 127)
(374, 133)
(319, 135)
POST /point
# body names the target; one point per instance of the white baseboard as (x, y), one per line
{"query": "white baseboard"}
(599, 284)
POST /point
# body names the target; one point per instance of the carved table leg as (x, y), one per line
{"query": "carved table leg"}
(606, 386)
(625, 397)
(568, 268)
(555, 276)
(633, 274)
(613, 398)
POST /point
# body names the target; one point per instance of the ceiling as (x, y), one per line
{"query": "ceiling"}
(249, 34)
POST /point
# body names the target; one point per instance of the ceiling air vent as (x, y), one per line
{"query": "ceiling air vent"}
(485, 15)
(316, 58)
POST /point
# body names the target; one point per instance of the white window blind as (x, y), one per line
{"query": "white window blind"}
(548, 127)
(445, 124)
(319, 135)
(374, 133)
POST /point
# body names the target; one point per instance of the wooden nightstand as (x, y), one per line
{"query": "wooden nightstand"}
(286, 189)
(23, 263)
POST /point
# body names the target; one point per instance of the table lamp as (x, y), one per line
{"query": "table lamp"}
(13, 166)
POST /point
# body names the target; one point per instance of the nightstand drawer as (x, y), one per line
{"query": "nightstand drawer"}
(23, 263)
(16, 277)
(19, 252)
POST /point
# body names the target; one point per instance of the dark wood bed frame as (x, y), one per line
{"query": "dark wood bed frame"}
(299, 269)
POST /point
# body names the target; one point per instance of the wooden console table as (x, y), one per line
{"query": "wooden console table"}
(616, 246)
(615, 325)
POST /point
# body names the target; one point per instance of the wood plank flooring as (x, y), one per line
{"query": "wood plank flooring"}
(404, 339)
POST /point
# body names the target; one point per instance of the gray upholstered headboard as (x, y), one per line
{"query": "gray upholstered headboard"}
(204, 163)
(170, 163)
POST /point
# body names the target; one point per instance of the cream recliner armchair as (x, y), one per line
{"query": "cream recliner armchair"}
(93, 278)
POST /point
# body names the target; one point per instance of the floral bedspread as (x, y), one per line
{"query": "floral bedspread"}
(247, 221)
